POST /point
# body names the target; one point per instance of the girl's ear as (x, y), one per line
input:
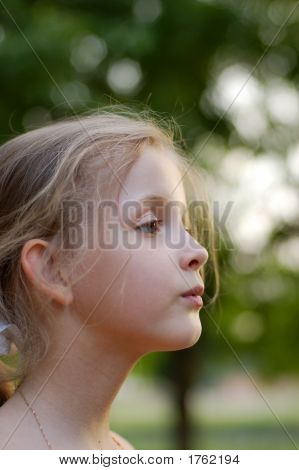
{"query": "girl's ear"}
(42, 276)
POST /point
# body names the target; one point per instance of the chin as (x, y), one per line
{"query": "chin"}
(185, 339)
(191, 340)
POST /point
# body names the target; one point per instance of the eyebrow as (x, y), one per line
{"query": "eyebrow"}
(155, 197)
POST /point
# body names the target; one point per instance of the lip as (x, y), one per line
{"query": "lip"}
(194, 296)
(197, 290)
(193, 300)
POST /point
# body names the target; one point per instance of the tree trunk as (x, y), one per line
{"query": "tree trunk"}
(184, 365)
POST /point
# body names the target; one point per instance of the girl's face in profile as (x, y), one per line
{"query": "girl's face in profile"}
(132, 293)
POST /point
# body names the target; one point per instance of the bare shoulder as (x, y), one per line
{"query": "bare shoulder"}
(126, 444)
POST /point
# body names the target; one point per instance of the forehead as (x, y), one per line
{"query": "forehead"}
(156, 172)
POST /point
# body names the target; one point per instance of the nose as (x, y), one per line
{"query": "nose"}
(195, 257)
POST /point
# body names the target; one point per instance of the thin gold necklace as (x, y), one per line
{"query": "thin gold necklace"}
(43, 432)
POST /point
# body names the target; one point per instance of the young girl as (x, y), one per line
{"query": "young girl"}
(97, 268)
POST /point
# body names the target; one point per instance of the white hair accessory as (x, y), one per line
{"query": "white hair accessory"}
(8, 333)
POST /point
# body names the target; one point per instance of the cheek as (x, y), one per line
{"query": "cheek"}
(132, 299)
(122, 285)
(97, 283)
(141, 290)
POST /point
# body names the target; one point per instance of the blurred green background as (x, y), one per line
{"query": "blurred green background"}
(228, 72)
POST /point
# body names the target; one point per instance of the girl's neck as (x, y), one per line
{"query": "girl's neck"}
(72, 392)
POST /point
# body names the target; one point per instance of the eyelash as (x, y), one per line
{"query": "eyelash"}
(149, 224)
(156, 221)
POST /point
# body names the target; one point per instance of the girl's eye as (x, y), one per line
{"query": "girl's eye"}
(150, 227)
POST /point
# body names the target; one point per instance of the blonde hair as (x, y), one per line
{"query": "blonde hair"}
(40, 169)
